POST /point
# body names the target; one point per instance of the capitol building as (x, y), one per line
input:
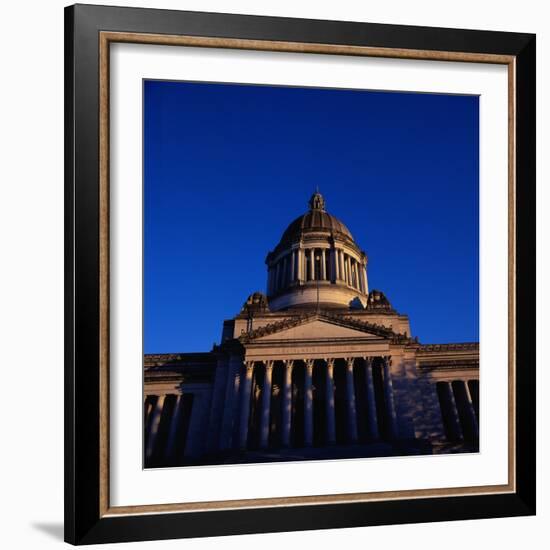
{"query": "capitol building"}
(319, 366)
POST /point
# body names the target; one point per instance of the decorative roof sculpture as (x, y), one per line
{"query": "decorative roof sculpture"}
(377, 300)
(256, 302)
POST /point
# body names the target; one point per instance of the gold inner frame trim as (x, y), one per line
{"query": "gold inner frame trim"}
(105, 39)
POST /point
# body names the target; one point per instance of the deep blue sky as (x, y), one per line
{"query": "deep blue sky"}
(228, 167)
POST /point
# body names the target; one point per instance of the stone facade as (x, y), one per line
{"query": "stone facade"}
(319, 367)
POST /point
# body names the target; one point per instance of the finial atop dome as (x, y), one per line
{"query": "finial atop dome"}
(317, 202)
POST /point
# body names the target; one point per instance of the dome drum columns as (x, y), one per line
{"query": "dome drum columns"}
(317, 266)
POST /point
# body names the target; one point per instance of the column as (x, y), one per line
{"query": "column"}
(245, 405)
(147, 409)
(336, 273)
(287, 403)
(308, 403)
(350, 399)
(344, 273)
(217, 406)
(300, 264)
(230, 402)
(174, 429)
(284, 281)
(293, 266)
(389, 399)
(449, 410)
(356, 269)
(473, 386)
(346, 268)
(154, 426)
(341, 264)
(364, 278)
(312, 263)
(323, 265)
(198, 424)
(471, 411)
(372, 420)
(266, 405)
(463, 399)
(329, 401)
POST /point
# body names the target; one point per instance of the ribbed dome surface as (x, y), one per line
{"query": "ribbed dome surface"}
(314, 220)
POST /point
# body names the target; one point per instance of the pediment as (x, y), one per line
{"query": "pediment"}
(321, 326)
(317, 330)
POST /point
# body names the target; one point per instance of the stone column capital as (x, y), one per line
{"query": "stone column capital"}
(249, 366)
(269, 364)
(309, 364)
(350, 361)
(329, 362)
(289, 363)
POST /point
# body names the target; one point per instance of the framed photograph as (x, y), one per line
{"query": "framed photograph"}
(299, 274)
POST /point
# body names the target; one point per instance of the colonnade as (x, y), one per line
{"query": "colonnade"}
(301, 403)
(166, 426)
(274, 404)
(459, 402)
(317, 264)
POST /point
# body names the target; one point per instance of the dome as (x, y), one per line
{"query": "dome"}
(317, 263)
(317, 219)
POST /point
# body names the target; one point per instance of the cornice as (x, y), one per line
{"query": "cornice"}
(442, 348)
(453, 364)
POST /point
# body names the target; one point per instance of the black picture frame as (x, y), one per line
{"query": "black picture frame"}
(84, 523)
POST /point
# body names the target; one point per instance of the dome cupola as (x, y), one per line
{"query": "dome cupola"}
(316, 263)
(317, 202)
